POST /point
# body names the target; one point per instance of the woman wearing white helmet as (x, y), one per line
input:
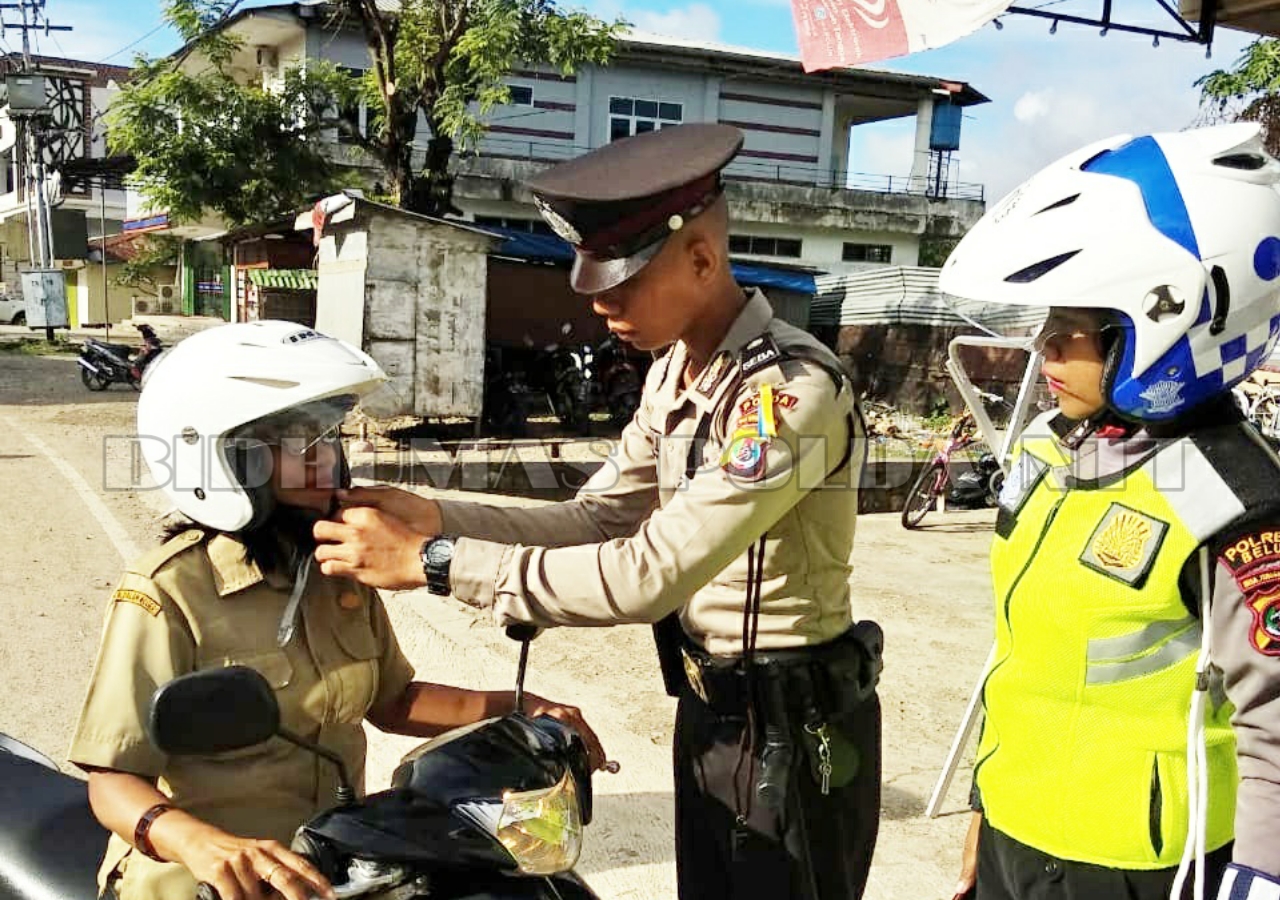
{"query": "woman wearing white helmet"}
(239, 427)
(1133, 705)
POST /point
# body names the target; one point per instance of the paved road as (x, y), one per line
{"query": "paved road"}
(69, 529)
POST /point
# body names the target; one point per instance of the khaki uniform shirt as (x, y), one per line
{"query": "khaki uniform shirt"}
(196, 603)
(640, 541)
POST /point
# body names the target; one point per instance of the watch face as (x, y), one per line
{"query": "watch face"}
(439, 552)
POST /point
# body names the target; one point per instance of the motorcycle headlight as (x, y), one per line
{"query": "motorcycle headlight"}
(542, 829)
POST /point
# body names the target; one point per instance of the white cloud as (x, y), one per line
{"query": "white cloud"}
(697, 22)
(1032, 105)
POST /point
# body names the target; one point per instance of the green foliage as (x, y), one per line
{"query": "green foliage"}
(935, 250)
(154, 251)
(204, 142)
(1249, 91)
(447, 59)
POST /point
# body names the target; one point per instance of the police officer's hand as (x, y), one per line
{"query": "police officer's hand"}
(969, 861)
(373, 547)
(248, 869)
(535, 706)
(420, 513)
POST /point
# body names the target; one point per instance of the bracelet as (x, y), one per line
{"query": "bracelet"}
(142, 831)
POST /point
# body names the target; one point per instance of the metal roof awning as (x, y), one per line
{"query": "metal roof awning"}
(1257, 16)
(549, 248)
(285, 279)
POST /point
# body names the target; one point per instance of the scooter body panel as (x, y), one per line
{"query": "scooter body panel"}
(50, 843)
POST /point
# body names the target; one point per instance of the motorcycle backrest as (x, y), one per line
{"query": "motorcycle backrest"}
(213, 711)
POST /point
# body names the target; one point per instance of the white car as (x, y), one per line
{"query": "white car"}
(13, 309)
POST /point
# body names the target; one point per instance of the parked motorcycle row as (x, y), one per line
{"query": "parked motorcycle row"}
(565, 379)
(103, 364)
(491, 810)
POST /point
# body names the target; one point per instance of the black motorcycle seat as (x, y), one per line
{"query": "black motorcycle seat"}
(122, 350)
(50, 843)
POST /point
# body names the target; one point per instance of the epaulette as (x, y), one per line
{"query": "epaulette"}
(155, 559)
(1244, 460)
(761, 352)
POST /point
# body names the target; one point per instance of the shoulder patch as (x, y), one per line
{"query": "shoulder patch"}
(154, 560)
(137, 598)
(758, 353)
(1254, 563)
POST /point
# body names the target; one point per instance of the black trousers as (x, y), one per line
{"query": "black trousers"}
(818, 848)
(1009, 870)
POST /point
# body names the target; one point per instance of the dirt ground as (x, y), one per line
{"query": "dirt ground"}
(71, 522)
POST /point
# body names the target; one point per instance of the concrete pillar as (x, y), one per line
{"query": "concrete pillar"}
(920, 157)
(583, 107)
(841, 163)
(831, 140)
(711, 99)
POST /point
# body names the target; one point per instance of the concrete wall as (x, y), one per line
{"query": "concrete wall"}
(424, 311)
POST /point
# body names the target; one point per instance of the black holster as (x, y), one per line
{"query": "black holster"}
(668, 635)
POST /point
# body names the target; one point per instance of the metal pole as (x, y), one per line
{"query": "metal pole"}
(102, 232)
(24, 166)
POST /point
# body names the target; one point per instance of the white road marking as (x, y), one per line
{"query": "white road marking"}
(124, 545)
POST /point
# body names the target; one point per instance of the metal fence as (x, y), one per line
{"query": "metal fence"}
(782, 172)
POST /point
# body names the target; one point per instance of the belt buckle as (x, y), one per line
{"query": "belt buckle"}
(694, 673)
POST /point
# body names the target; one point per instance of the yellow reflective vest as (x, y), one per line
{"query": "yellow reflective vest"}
(1083, 752)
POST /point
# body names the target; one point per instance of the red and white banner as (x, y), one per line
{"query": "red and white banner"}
(836, 33)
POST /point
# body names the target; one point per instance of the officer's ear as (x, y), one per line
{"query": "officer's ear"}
(705, 257)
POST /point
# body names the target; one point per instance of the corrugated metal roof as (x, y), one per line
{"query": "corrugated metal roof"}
(285, 279)
(909, 295)
(523, 245)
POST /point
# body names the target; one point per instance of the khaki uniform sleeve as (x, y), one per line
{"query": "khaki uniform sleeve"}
(680, 547)
(145, 643)
(1250, 664)
(395, 672)
(613, 502)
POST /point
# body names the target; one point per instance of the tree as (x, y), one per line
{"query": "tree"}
(203, 141)
(446, 59)
(1247, 92)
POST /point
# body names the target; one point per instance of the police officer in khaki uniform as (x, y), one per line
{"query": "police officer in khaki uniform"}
(240, 426)
(725, 515)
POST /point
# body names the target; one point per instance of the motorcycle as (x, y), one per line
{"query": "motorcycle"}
(561, 376)
(103, 364)
(979, 487)
(617, 381)
(489, 811)
(506, 396)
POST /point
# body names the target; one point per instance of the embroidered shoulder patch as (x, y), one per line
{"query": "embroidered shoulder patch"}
(137, 598)
(1254, 561)
(1124, 544)
(744, 455)
(758, 353)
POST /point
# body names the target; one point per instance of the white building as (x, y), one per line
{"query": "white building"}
(77, 95)
(796, 197)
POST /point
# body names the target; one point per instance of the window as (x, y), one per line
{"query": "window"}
(628, 116)
(521, 95)
(872, 253)
(750, 245)
(532, 226)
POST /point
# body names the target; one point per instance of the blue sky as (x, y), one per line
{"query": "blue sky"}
(1049, 94)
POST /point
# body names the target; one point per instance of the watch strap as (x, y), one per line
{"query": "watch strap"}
(142, 831)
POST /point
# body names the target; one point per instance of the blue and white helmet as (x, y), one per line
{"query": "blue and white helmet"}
(1178, 235)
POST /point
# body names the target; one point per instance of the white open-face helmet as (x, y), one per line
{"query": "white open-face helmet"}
(1176, 235)
(201, 400)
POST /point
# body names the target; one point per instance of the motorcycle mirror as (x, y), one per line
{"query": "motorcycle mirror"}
(523, 633)
(212, 712)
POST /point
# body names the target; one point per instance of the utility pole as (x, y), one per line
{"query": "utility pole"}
(39, 227)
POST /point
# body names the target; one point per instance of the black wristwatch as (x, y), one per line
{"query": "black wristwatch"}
(437, 554)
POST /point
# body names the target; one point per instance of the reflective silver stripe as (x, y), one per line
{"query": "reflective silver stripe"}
(1182, 645)
(1118, 649)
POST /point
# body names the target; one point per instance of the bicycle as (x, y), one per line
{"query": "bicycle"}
(936, 476)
